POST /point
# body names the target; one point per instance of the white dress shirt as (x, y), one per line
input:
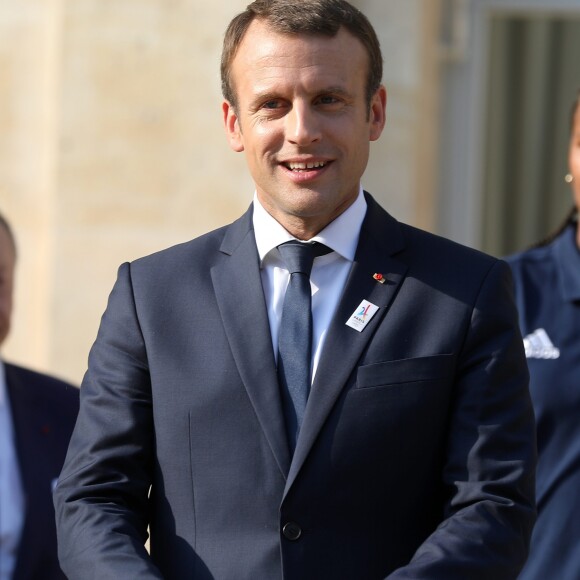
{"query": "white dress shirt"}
(329, 272)
(11, 491)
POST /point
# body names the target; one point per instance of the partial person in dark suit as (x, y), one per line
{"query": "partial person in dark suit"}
(37, 415)
(408, 451)
(547, 282)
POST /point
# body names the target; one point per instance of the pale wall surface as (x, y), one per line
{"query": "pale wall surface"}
(111, 146)
(401, 172)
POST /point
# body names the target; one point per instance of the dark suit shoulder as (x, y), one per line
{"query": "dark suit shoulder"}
(440, 249)
(197, 247)
(199, 251)
(46, 390)
(51, 384)
(184, 269)
(419, 247)
(452, 268)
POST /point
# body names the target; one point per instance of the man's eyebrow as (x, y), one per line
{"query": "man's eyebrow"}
(265, 96)
(268, 95)
(336, 90)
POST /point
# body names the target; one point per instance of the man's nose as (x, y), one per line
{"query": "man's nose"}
(302, 125)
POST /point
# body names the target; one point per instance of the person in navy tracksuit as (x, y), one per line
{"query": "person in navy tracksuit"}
(547, 282)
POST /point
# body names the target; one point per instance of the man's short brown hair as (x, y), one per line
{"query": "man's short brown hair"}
(324, 17)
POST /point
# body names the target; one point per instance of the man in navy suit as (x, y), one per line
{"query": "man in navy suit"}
(37, 415)
(413, 456)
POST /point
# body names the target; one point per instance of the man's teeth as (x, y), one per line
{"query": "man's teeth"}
(303, 166)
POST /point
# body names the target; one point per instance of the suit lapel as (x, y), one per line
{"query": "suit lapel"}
(238, 289)
(380, 238)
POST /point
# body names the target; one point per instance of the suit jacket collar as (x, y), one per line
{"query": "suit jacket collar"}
(238, 288)
(381, 238)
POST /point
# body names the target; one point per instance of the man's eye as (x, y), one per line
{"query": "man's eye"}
(327, 100)
(271, 105)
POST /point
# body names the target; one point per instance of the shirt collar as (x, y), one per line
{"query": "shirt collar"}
(341, 235)
(567, 257)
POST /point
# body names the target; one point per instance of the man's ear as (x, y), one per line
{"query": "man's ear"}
(232, 126)
(378, 113)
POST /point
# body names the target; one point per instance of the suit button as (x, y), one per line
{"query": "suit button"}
(292, 531)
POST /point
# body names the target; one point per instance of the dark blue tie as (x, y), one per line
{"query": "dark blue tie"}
(295, 336)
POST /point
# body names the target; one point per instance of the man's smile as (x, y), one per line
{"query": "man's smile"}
(302, 166)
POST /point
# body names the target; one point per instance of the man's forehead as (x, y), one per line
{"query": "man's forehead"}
(264, 46)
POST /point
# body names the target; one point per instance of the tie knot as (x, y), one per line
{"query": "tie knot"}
(299, 256)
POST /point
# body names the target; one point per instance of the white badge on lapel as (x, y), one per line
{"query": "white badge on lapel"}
(362, 315)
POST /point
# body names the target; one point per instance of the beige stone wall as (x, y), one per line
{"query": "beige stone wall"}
(111, 146)
(402, 168)
(27, 154)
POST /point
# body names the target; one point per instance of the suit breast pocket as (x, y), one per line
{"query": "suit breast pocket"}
(404, 371)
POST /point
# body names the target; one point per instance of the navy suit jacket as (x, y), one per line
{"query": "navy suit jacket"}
(416, 454)
(44, 410)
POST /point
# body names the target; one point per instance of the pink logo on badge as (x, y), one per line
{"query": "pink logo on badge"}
(363, 312)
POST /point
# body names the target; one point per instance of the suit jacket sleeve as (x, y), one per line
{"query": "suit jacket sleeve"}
(101, 499)
(491, 451)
